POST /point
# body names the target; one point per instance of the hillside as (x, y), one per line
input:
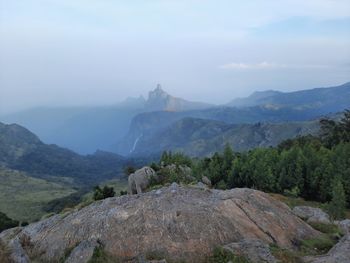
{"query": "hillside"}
(22, 150)
(269, 106)
(23, 197)
(87, 129)
(199, 137)
(331, 99)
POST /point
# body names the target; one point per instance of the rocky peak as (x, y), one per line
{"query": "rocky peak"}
(157, 94)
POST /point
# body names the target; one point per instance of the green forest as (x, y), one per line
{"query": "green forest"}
(312, 167)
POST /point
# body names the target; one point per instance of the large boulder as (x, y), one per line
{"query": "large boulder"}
(311, 214)
(344, 225)
(177, 222)
(140, 180)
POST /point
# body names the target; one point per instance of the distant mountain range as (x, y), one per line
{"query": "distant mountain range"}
(323, 99)
(268, 107)
(86, 129)
(199, 137)
(119, 128)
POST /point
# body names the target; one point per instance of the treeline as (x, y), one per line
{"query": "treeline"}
(313, 167)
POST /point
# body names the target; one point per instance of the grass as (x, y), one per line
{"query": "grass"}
(101, 256)
(298, 201)
(285, 255)
(221, 255)
(22, 197)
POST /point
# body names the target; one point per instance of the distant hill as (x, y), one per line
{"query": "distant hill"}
(198, 137)
(86, 129)
(23, 151)
(292, 107)
(330, 99)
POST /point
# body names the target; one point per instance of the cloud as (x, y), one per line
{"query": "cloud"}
(268, 65)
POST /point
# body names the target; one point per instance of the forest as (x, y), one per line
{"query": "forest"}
(312, 167)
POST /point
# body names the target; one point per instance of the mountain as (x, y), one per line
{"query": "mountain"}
(86, 129)
(159, 100)
(23, 151)
(253, 100)
(199, 137)
(330, 99)
(292, 108)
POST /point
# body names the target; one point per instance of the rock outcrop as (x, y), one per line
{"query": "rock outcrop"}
(311, 214)
(140, 180)
(181, 223)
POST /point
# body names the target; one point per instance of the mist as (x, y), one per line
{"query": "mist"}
(77, 53)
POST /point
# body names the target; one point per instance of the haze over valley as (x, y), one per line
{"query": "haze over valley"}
(167, 131)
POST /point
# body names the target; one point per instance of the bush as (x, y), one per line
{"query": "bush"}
(103, 193)
(6, 222)
(320, 245)
(221, 255)
(123, 192)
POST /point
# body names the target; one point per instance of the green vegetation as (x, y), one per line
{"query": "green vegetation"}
(337, 205)
(314, 168)
(221, 255)
(101, 256)
(6, 222)
(23, 197)
(317, 246)
(285, 255)
(102, 193)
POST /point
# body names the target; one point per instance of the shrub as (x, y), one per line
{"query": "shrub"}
(6, 222)
(103, 193)
(320, 245)
(221, 255)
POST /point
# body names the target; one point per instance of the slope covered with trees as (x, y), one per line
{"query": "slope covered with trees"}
(315, 168)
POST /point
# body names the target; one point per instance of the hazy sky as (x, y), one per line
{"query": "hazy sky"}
(77, 52)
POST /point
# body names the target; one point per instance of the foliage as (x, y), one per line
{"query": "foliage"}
(129, 170)
(319, 245)
(337, 205)
(178, 159)
(303, 167)
(123, 192)
(6, 222)
(102, 193)
(285, 255)
(221, 255)
(326, 228)
(101, 256)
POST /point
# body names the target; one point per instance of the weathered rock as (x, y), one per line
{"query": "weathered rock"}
(206, 181)
(82, 253)
(340, 253)
(253, 249)
(344, 225)
(181, 223)
(311, 214)
(140, 180)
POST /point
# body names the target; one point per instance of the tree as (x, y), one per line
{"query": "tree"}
(103, 193)
(129, 170)
(338, 204)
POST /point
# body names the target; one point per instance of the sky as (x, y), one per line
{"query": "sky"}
(98, 52)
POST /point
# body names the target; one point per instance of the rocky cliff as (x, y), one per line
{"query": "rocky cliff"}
(180, 223)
